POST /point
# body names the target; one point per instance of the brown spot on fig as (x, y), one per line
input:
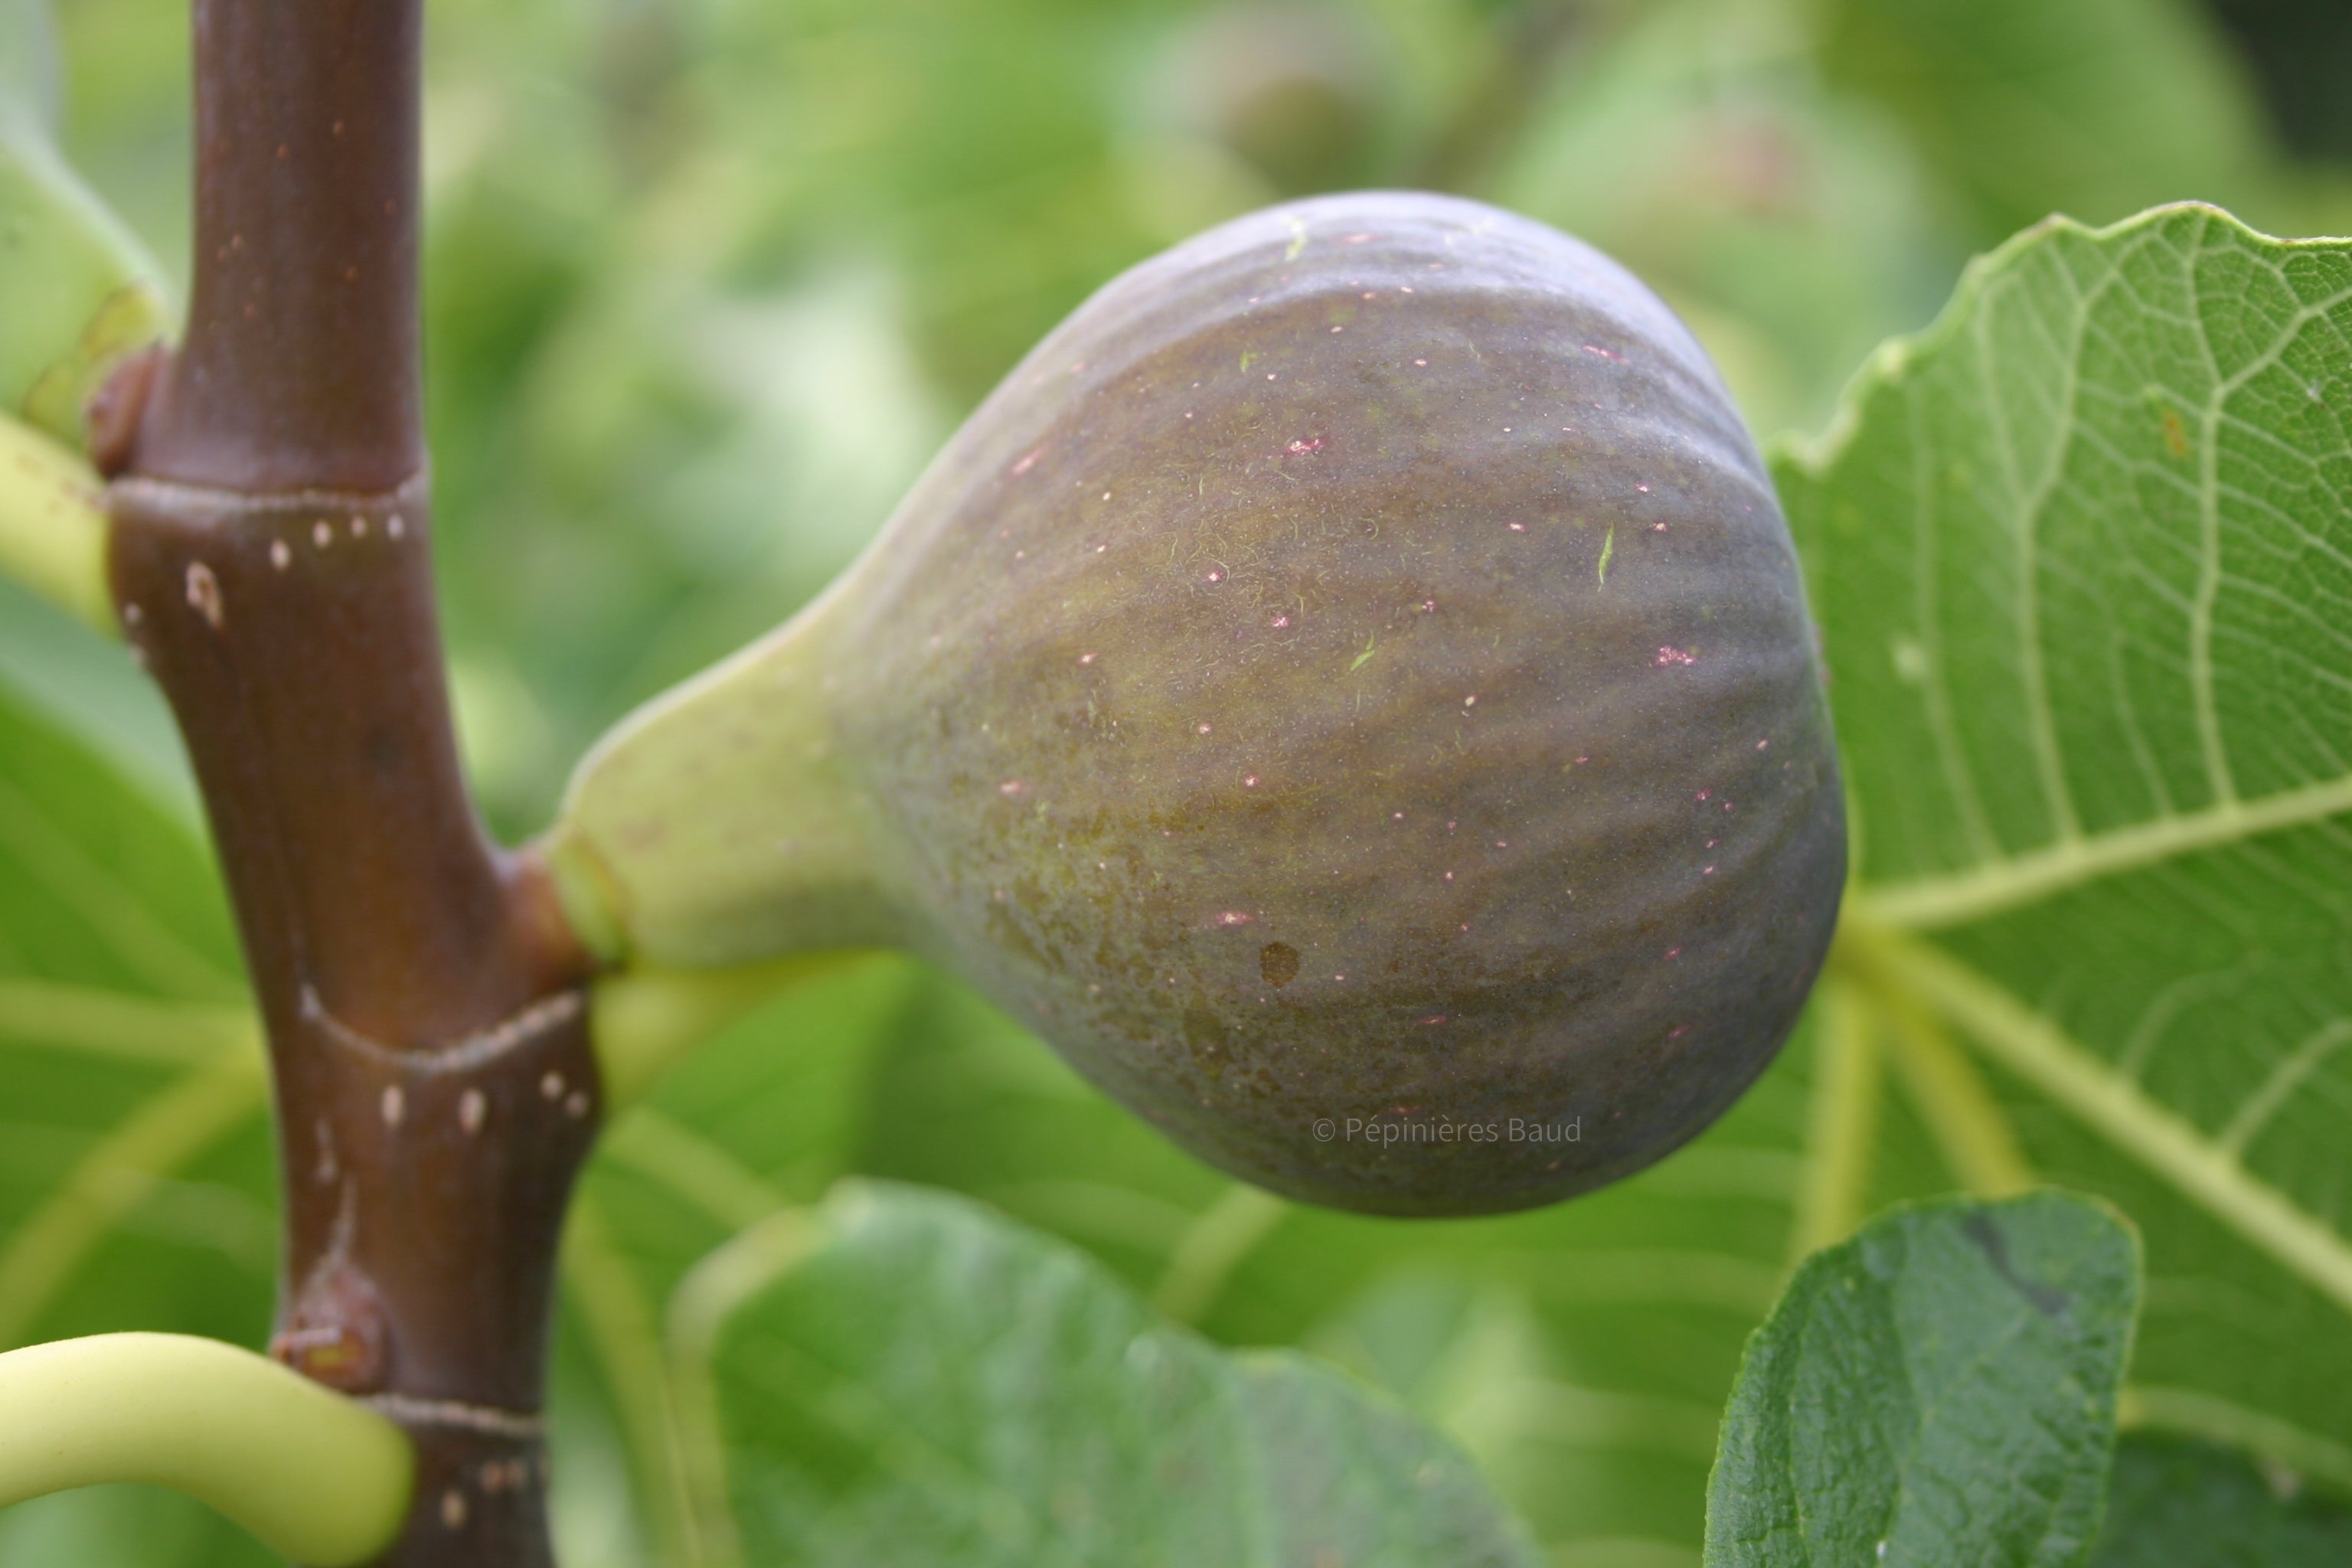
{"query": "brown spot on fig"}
(1277, 964)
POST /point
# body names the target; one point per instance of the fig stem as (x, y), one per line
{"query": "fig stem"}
(320, 1478)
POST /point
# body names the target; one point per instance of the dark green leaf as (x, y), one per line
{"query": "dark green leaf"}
(1937, 1393)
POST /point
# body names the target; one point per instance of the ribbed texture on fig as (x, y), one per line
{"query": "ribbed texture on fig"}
(1350, 690)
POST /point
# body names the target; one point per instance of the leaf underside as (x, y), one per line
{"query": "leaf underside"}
(136, 1186)
(2081, 555)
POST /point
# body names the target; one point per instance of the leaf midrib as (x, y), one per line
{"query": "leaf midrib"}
(1993, 887)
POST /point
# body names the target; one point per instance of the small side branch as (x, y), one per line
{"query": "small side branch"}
(318, 1476)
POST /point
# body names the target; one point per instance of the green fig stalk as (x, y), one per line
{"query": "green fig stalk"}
(720, 823)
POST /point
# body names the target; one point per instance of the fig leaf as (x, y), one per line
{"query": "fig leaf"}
(2078, 553)
(1940, 1389)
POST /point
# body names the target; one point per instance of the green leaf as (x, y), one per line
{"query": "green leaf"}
(93, 686)
(905, 1378)
(1940, 1389)
(2079, 554)
(763, 1116)
(2175, 1501)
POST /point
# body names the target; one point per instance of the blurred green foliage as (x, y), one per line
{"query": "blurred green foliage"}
(709, 281)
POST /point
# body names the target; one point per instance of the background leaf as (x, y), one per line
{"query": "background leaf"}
(2095, 108)
(904, 1377)
(29, 94)
(1940, 1389)
(2179, 1500)
(138, 1189)
(78, 290)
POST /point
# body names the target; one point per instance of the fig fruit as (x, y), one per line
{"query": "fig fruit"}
(1350, 689)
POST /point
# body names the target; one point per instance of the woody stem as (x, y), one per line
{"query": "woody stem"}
(269, 561)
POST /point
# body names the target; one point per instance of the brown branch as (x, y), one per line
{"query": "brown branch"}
(300, 362)
(434, 1090)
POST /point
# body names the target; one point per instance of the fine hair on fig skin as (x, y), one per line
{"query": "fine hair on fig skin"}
(1353, 671)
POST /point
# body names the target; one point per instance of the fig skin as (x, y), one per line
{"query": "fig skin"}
(1350, 689)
